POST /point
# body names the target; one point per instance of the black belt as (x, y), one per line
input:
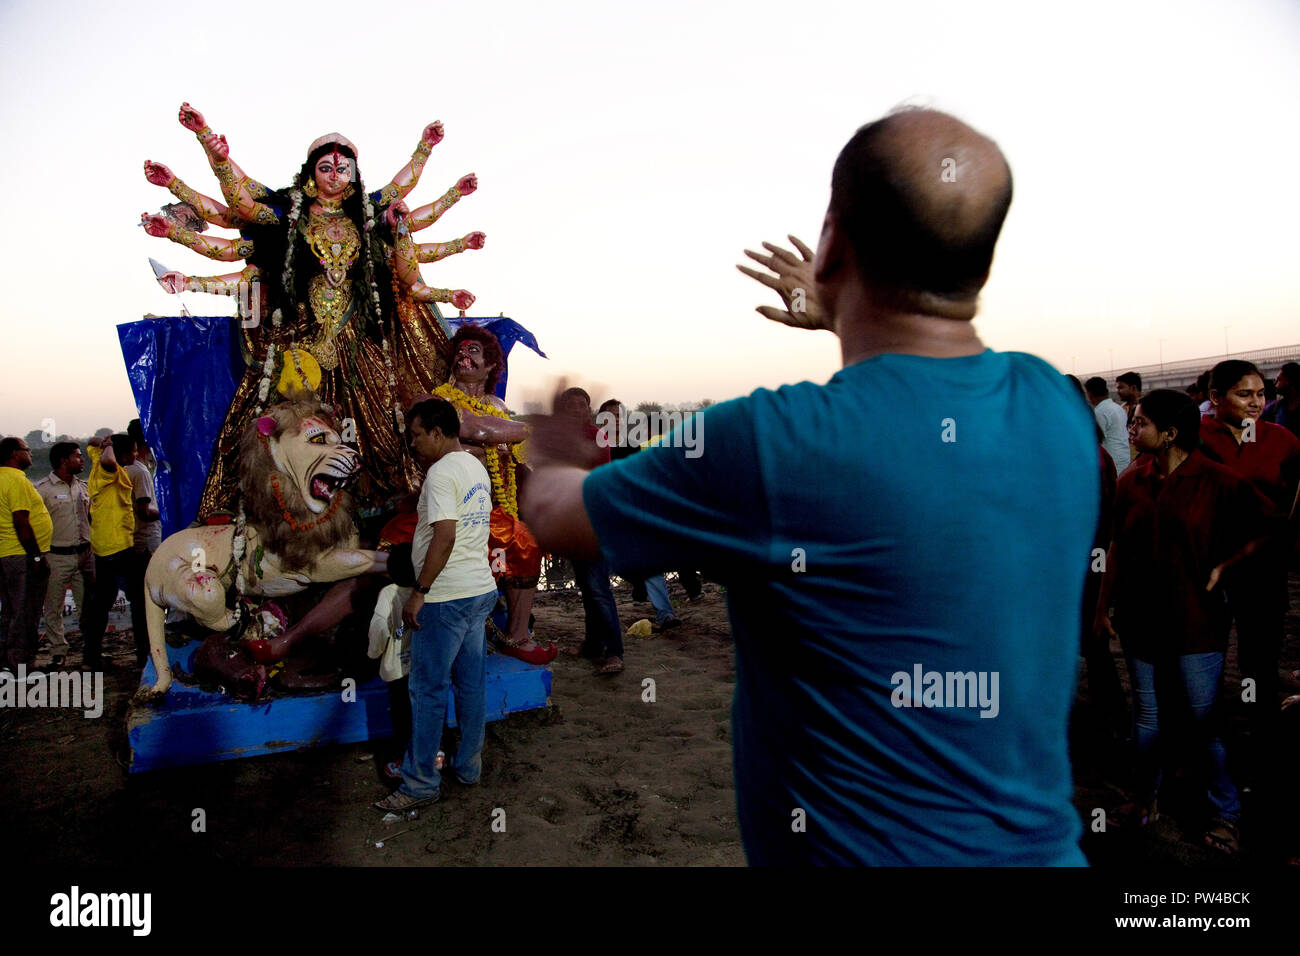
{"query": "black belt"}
(70, 549)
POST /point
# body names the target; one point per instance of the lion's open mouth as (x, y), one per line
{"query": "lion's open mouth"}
(324, 486)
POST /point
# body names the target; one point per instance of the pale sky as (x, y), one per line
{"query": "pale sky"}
(627, 154)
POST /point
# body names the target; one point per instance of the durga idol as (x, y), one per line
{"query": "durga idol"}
(341, 306)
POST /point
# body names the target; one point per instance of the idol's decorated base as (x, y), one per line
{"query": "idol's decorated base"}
(192, 726)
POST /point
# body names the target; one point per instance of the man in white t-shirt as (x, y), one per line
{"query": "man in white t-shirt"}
(447, 612)
(1112, 421)
(148, 536)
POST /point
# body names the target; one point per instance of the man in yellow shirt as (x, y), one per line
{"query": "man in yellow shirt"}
(112, 537)
(25, 530)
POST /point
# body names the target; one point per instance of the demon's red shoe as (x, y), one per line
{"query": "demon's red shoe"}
(537, 654)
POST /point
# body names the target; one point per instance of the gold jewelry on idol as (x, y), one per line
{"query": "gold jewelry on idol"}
(309, 187)
(349, 192)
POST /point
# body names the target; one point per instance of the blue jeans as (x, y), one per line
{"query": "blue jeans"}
(1191, 680)
(446, 650)
(604, 632)
(657, 588)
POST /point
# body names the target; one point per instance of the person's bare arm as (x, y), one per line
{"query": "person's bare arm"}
(554, 511)
(26, 536)
(145, 510)
(1102, 622)
(444, 539)
(107, 460)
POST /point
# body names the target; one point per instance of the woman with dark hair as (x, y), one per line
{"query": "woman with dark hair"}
(339, 304)
(1268, 457)
(1178, 516)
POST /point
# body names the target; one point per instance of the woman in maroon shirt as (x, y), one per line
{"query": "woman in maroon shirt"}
(1267, 456)
(1177, 517)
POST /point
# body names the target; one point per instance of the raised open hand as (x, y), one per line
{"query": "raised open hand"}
(433, 133)
(191, 118)
(467, 184)
(461, 299)
(157, 173)
(793, 282)
(475, 240)
(156, 225)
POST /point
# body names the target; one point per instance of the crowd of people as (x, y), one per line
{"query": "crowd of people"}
(93, 537)
(1197, 532)
(857, 549)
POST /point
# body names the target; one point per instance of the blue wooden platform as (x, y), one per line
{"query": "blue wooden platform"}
(196, 726)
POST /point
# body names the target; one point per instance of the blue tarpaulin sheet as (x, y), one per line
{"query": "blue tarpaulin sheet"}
(183, 373)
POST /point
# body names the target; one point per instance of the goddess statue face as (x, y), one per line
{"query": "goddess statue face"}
(333, 173)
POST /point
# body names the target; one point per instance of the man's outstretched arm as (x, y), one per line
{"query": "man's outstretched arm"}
(554, 511)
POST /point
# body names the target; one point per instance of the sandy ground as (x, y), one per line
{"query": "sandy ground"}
(602, 778)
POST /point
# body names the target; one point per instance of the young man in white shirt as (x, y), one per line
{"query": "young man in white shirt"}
(1112, 421)
(453, 595)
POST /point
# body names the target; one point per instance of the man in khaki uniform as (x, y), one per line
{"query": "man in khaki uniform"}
(72, 564)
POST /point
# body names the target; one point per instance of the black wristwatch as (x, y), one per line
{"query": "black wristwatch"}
(419, 590)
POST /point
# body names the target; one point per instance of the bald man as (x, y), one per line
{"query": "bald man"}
(902, 546)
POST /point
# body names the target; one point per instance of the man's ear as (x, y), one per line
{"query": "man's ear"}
(832, 250)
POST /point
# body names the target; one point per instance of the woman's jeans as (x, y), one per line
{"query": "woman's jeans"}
(1191, 680)
(447, 650)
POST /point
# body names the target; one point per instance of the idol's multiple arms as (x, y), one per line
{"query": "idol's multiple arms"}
(243, 193)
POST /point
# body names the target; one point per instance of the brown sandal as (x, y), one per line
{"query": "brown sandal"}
(1224, 837)
(612, 665)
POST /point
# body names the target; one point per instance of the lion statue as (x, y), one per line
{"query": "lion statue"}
(294, 472)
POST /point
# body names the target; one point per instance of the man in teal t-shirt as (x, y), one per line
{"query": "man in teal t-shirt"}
(903, 547)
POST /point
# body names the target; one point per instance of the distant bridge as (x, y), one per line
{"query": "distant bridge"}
(1183, 373)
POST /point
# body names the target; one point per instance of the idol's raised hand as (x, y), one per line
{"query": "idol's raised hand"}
(156, 225)
(793, 282)
(462, 299)
(158, 174)
(191, 118)
(432, 134)
(467, 184)
(474, 240)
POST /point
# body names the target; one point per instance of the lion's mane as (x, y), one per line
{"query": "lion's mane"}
(297, 550)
